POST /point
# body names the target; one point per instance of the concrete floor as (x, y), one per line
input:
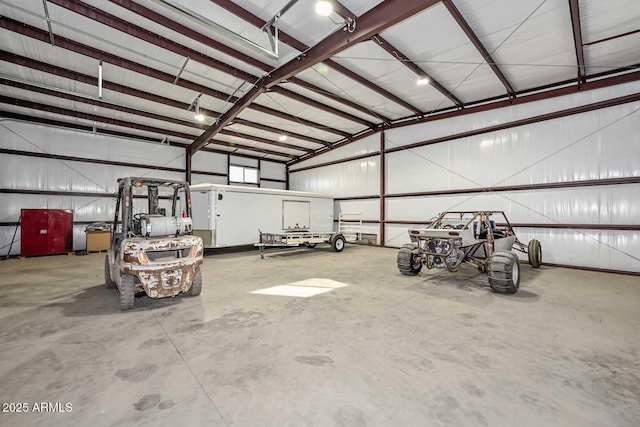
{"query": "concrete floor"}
(386, 350)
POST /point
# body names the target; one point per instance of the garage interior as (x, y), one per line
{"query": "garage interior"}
(397, 110)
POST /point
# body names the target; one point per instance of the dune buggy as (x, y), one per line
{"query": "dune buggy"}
(483, 238)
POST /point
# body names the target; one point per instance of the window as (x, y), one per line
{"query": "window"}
(243, 175)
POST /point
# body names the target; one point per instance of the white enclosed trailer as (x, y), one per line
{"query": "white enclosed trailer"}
(229, 215)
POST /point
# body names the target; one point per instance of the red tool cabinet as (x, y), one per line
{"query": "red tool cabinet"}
(46, 232)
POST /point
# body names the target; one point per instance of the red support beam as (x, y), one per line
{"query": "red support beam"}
(455, 13)
(287, 39)
(382, 16)
(577, 39)
(199, 37)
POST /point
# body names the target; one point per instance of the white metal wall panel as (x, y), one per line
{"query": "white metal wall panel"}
(440, 128)
(370, 144)
(243, 161)
(272, 170)
(369, 208)
(204, 179)
(43, 174)
(354, 178)
(54, 140)
(595, 145)
(209, 162)
(274, 185)
(610, 204)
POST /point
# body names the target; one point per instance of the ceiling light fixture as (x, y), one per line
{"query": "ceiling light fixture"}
(282, 137)
(422, 81)
(325, 9)
(195, 106)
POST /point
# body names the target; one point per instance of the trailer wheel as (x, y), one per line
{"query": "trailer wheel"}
(337, 243)
(196, 285)
(107, 274)
(408, 264)
(127, 291)
(535, 253)
(504, 272)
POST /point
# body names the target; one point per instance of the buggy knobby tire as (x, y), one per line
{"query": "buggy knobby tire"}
(107, 274)
(196, 284)
(337, 243)
(535, 253)
(127, 291)
(407, 263)
(504, 272)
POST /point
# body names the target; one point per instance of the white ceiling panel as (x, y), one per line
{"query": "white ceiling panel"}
(292, 107)
(226, 19)
(259, 145)
(44, 52)
(369, 60)
(602, 19)
(453, 61)
(328, 101)
(93, 109)
(30, 12)
(613, 54)
(272, 135)
(331, 80)
(287, 125)
(300, 21)
(186, 40)
(532, 43)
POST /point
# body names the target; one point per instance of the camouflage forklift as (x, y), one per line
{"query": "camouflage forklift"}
(153, 252)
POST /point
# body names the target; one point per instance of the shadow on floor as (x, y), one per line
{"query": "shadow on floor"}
(100, 301)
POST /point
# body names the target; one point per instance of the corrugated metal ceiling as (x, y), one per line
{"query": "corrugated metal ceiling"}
(156, 61)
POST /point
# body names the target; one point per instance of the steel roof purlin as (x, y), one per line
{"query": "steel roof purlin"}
(372, 22)
(455, 13)
(577, 38)
(395, 52)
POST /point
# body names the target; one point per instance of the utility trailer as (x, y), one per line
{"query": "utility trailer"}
(348, 230)
(229, 215)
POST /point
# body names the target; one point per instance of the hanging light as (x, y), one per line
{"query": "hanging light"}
(422, 81)
(282, 137)
(195, 105)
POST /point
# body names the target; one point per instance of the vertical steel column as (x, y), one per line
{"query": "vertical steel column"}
(188, 165)
(228, 168)
(259, 173)
(286, 177)
(382, 187)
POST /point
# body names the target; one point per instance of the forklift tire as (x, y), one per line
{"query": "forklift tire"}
(504, 272)
(127, 291)
(535, 253)
(196, 285)
(107, 274)
(337, 243)
(406, 260)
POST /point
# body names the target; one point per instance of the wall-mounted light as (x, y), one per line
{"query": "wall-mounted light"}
(325, 8)
(422, 81)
